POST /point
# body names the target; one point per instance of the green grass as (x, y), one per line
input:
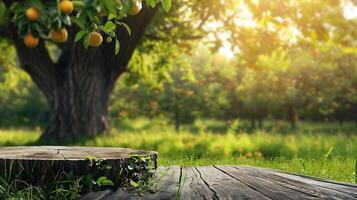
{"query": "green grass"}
(216, 143)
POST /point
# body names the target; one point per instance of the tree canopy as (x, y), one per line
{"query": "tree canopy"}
(283, 51)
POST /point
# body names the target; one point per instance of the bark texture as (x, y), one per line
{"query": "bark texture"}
(79, 84)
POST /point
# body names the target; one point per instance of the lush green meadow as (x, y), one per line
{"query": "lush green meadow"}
(303, 151)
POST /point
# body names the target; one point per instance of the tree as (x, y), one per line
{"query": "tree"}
(78, 81)
(78, 84)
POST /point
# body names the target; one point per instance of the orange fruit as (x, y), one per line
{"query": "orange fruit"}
(30, 41)
(258, 154)
(344, 43)
(95, 39)
(315, 53)
(249, 155)
(66, 7)
(135, 9)
(59, 36)
(33, 14)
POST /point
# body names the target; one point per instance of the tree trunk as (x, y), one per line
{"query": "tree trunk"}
(260, 122)
(340, 121)
(177, 119)
(79, 106)
(292, 116)
(252, 122)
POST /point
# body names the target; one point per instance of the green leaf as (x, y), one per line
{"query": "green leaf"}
(134, 184)
(80, 35)
(110, 6)
(328, 154)
(117, 46)
(78, 5)
(166, 4)
(108, 27)
(103, 181)
(79, 22)
(91, 157)
(151, 3)
(67, 20)
(126, 26)
(2, 13)
(112, 16)
(107, 183)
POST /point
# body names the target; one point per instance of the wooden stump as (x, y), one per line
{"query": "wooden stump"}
(39, 164)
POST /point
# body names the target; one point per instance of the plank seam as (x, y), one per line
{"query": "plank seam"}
(242, 182)
(306, 176)
(314, 184)
(284, 185)
(214, 192)
(179, 186)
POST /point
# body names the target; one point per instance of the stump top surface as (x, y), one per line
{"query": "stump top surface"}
(67, 153)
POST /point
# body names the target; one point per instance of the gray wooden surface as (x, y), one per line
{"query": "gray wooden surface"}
(232, 182)
(67, 153)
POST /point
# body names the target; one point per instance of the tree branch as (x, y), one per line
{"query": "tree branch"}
(138, 25)
(188, 37)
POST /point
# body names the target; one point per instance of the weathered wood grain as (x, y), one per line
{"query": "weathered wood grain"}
(328, 188)
(166, 184)
(193, 186)
(298, 186)
(268, 187)
(234, 182)
(225, 186)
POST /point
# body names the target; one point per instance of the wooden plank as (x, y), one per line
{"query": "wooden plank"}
(299, 186)
(329, 188)
(193, 186)
(225, 186)
(267, 187)
(166, 185)
(331, 183)
(233, 182)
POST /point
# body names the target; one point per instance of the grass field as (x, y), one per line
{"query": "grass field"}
(304, 151)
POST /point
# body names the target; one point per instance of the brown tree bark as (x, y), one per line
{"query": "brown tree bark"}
(79, 84)
(292, 116)
(177, 119)
(252, 122)
(260, 122)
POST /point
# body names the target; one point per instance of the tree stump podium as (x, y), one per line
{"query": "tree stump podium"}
(38, 164)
